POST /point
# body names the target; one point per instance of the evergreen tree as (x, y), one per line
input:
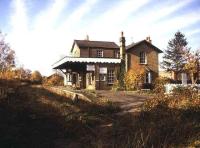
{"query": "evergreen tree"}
(174, 57)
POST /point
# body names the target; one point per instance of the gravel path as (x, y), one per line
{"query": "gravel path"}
(128, 101)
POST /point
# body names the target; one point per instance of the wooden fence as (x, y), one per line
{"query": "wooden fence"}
(169, 87)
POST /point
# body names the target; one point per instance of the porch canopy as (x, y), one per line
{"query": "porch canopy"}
(77, 62)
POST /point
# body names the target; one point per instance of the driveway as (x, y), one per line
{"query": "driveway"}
(128, 101)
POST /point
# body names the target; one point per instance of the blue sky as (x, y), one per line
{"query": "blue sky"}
(42, 31)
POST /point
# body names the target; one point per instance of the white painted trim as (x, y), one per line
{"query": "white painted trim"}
(87, 60)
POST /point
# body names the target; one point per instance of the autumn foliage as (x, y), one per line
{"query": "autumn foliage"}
(134, 78)
(36, 77)
(192, 66)
(7, 55)
(54, 80)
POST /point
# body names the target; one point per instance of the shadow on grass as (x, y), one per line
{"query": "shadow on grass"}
(35, 117)
(159, 127)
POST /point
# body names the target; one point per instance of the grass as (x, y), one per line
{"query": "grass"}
(34, 117)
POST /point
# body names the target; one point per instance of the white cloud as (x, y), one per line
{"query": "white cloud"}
(77, 14)
(46, 19)
(19, 28)
(34, 47)
(18, 17)
(40, 45)
(111, 23)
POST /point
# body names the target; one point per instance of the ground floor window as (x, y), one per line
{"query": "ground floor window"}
(110, 77)
(102, 77)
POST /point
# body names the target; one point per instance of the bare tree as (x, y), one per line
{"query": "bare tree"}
(7, 55)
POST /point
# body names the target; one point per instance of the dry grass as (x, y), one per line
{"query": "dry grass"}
(35, 117)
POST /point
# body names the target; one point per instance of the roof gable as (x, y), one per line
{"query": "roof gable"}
(134, 45)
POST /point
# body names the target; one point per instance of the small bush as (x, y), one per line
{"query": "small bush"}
(36, 77)
(159, 84)
(187, 92)
(8, 74)
(116, 86)
(54, 80)
(133, 79)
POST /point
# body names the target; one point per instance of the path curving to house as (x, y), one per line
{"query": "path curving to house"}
(128, 101)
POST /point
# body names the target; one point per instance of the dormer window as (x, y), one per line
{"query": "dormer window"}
(143, 58)
(99, 53)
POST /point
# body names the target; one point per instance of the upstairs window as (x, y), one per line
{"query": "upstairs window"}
(143, 58)
(99, 53)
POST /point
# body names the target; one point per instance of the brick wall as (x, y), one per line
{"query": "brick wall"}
(152, 59)
(88, 52)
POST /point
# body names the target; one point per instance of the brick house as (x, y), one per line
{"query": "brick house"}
(95, 64)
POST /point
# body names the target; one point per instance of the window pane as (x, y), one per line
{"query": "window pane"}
(110, 76)
(99, 53)
(142, 57)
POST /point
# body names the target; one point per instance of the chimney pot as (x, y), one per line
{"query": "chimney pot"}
(122, 46)
(122, 34)
(148, 39)
(87, 37)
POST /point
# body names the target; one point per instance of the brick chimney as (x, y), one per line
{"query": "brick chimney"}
(122, 46)
(148, 39)
(87, 38)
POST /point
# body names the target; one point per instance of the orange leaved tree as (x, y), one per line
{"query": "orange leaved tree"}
(133, 78)
(192, 66)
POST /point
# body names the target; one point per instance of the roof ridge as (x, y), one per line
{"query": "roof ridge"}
(95, 41)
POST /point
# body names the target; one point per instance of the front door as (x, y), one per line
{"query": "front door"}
(74, 79)
(90, 80)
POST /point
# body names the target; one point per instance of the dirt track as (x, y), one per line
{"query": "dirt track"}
(128, 101)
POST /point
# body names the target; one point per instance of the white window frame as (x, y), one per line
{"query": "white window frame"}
(110, 76)
(100, 53)
(148, 78)
(143, 57)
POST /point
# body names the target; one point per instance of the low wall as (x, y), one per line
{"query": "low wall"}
(170, 87)
(69, 94)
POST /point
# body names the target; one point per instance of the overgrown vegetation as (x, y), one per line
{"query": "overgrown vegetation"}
(134, 78)
(39, 118)
(159, 85)
(54, 80)
(121, 75)
(175, 118)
